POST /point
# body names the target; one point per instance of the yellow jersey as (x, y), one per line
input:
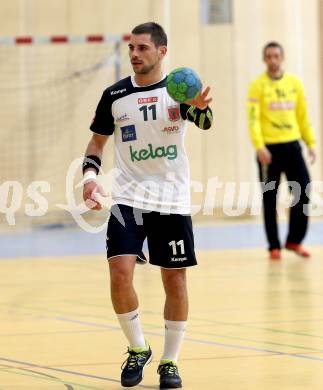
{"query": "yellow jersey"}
(277, 111)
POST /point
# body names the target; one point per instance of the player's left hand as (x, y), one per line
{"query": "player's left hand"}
(312, 155)
(201, 101)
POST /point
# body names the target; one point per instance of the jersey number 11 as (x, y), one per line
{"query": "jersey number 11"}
(151, 108)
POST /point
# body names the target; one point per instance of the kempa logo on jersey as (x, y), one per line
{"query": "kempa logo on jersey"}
(171, 129)
(118, 91)
(169, 152)
(151, 99)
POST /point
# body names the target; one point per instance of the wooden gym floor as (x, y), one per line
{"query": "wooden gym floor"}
(254, 324)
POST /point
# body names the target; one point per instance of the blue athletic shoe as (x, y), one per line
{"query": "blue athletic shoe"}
(169, 377)
(132, 368)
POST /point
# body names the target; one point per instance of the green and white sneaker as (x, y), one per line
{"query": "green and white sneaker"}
(169, 377)
(132, 368)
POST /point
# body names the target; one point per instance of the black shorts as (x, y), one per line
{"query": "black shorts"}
(169, 236)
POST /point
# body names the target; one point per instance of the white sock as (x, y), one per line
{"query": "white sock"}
(131, 327)
(174, 334)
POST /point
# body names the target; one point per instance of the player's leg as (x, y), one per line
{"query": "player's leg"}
(296, 171)
(124, 248)
(175, 316)
(171, 246)
(270, 178)
(175, 286)
(124, 298)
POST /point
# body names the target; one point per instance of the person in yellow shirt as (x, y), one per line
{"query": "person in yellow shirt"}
(277, 121)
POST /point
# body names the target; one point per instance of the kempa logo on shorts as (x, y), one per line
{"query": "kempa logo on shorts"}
(169, 152)
(178, 259)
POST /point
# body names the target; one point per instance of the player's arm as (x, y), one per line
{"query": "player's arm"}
(102, 127)
(253, 115)
(198, 110)
(93, 153)
(254, 125)
(303, 121)
(91, 168)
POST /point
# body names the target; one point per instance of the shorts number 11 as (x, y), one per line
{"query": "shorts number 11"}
(174, 245)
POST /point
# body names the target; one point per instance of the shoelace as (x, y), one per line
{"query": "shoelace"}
(132, 361)
(168, 369)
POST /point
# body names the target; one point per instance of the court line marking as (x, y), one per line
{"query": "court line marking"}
(117, 328)
(39, 374)
(240, 325)
(69, 372)
(235, 309)
(245, 347)
(157, 360)
(47, 333)
(246, 325)
(285, 321)
(210, 342)
(42, 308)
(205, 342)
(260, 341)
(52, 379)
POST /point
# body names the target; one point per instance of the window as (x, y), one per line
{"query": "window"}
(216, 11)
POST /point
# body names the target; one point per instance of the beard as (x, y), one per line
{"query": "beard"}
(144, 69)
(274, 68)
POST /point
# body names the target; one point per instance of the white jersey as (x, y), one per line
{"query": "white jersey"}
(150, 157)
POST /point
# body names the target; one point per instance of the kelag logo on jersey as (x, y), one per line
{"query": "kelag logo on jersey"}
(169, 152)
(128, 133)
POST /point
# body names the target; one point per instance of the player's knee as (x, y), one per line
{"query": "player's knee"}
(175, 282)
(121, 279)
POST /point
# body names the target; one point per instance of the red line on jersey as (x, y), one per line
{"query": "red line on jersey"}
(59, 39)
(24, 40)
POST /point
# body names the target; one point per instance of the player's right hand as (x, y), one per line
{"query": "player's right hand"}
(264, 156)
(92, 191)
(201, 101)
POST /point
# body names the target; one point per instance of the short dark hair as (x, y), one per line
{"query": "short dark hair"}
(157, 33)
(273, 44)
